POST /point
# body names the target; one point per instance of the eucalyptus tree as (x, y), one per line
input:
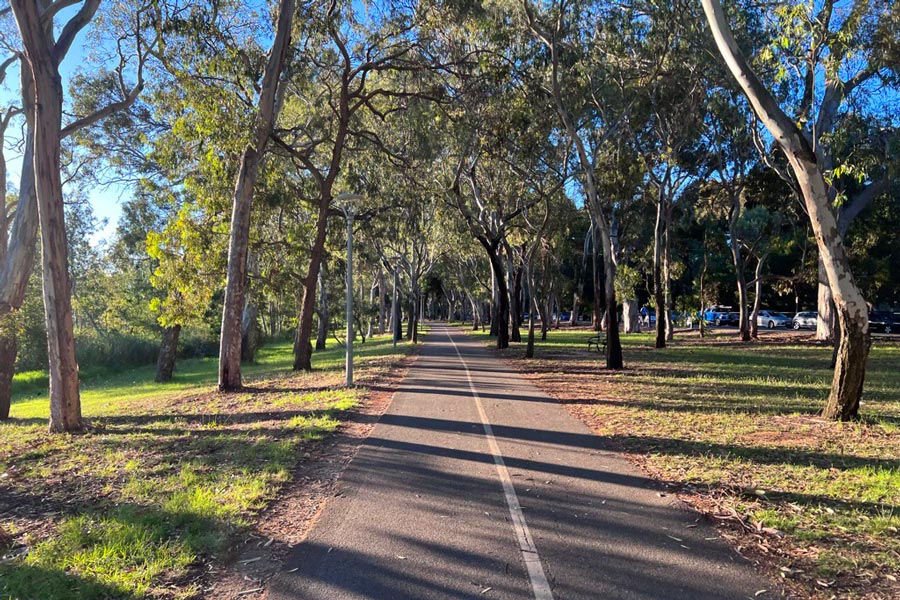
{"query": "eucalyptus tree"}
(832, 64)
(665, 122)
(12, 287)
(758, 232)
(586, 87)
(729, 139)
(810, 164)
(44, 46)
(491, 199)
(267, 111)
(353, 65)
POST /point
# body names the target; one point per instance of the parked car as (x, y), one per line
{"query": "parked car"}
(715, 312)
(880, 320)
(805, 320)
(770, 319)
(730, 318)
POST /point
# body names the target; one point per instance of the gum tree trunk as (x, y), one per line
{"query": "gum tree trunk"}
(494, 303)
(322, 329)
(533, 309)
(667, 282)
(739, 274)
(825, 324)
(614, 359)
(42, 63)
(7, 364)
(381, 304)
(17, 253)
(165, 364)
(502, 311)
(515, 310)
(757, 299)
(852, 312)
(631, 315)
(302, 347)
(659, 297)
(235, 286)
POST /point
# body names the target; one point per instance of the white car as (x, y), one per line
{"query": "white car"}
(770, 319)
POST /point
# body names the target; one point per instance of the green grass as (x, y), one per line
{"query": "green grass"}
(738, 422)
(103, 390)
(165, 475)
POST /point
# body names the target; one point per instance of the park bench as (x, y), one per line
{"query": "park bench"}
(597, 341)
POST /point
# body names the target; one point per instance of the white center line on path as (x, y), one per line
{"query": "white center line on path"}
(539, 583)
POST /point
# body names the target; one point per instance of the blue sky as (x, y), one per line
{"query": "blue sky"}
(105, 200)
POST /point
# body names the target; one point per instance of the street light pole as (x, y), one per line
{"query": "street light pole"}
(346, 202)
(349, 214)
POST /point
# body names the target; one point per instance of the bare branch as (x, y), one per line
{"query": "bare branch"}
(73, 27)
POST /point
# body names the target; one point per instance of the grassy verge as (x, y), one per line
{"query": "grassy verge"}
(166, 474)
(735, 425)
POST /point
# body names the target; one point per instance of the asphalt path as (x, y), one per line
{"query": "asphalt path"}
(474, 484)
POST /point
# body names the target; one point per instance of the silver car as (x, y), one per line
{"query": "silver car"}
(767, 318)
(805, 320)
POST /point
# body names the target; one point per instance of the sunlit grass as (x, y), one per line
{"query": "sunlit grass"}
(103, 391)
(166, 474)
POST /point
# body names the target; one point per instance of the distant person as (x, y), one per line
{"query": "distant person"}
(645, 316)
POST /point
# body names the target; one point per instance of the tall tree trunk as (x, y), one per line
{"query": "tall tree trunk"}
(250, 335)
(614, 359)
(757, 298)
(533, 309)
(558, 311)
(168, 348)
(825, 322)
(515, 310)
(65, 403)
(7, 363)
(545, 310)
(302, 346)
(703, 273)
(740, 275)
(322, 313)
(476, 317)
(232, 311)
(382, 312)
(15, 267)
(597, 278)
(852, 312)
(370, 325)
(631, 315)
(502, 295)
(667, 279)
(658, 291)
(576, 301)
(396, 331)
(495, 329)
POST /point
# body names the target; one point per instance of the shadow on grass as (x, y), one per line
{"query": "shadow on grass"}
(26, 582)
(125, 548)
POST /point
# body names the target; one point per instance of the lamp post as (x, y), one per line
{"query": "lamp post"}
(346, 202)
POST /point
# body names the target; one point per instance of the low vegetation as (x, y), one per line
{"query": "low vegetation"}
(165, 475)
(735, 427)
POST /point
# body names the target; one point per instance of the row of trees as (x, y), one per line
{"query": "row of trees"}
(512, 156)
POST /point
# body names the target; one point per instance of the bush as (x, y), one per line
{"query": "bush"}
(115, 351)
(197, 346)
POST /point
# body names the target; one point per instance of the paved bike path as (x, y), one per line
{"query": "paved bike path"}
(474, 484)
